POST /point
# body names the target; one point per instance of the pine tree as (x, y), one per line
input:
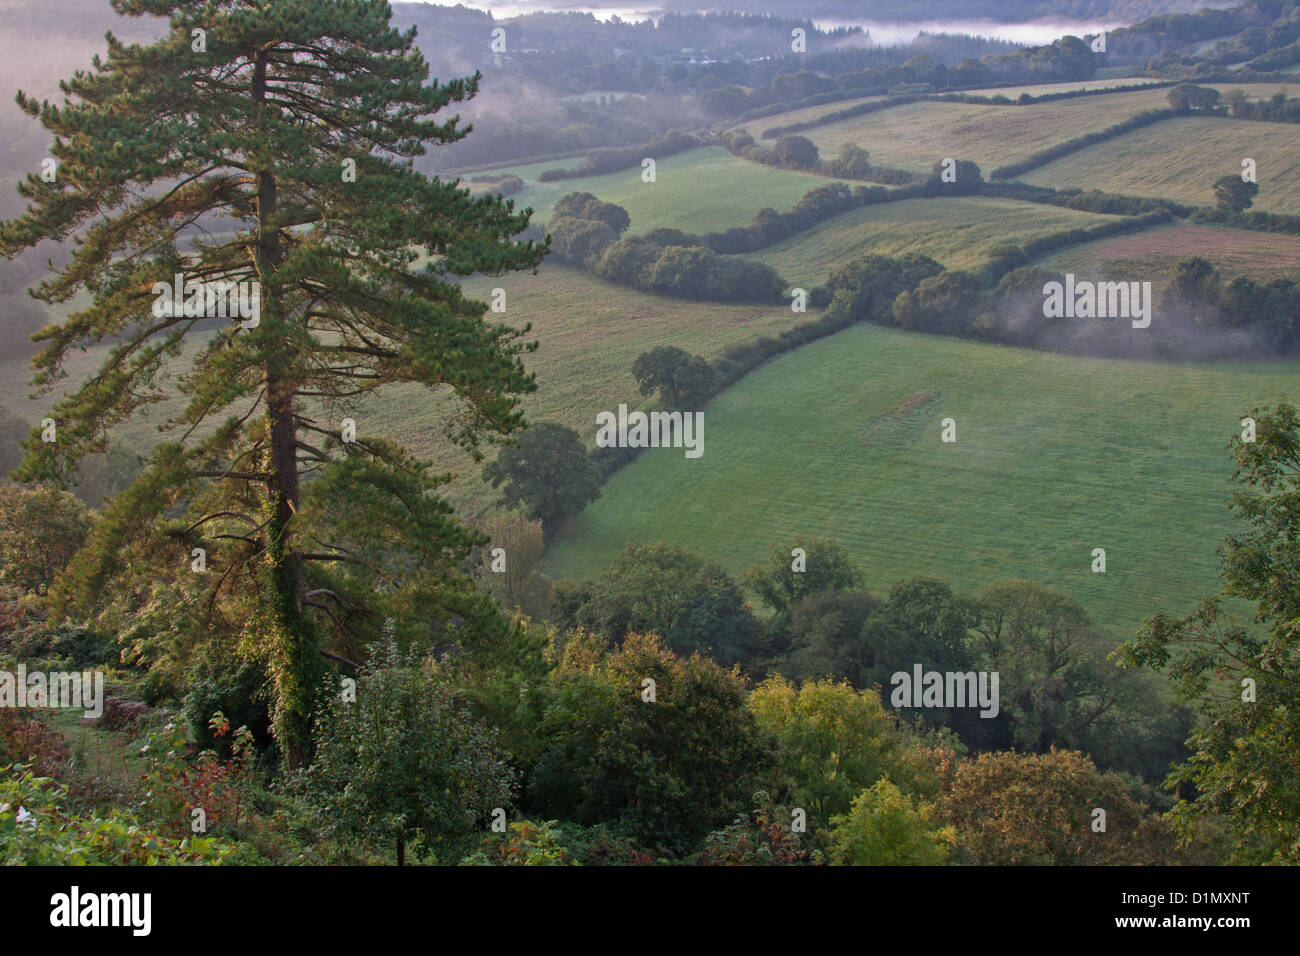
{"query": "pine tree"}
(269, 141)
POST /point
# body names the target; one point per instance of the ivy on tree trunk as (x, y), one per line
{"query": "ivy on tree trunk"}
(270, 141)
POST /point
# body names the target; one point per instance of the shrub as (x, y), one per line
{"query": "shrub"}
(36, 830)
(884, 827)
(405, 761)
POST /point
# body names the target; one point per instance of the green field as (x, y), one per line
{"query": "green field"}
(1055, 455)
(699, 190)
(957, 232)
(590, 332)
(917, 135)
(1181, 158)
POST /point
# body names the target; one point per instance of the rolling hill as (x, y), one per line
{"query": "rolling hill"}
(1181, 158)
(1055, 455)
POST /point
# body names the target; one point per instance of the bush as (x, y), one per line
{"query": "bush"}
(884, 827)
(26, 740)
(64, 646)
(798, 152)
(946, 303)
(40, 530)
(36, 830)
(689, 272)
(547, 475)
(965, 178)
(864, 289)
(1015, 809)
(235, 688)
(682, 380)
(671, 591)
(762, 837)
(525, 843)
(581, 241)
(405, 761)
(608, 159)
(668, 770)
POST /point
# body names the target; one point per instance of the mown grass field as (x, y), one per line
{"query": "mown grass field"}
(699, 190)
(1055, 456)
(1154, 252)
(917, 135)
(956, 232)
(589, 332)
(1181, 158)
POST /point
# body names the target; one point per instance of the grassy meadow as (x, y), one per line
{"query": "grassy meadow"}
(699, 190)
(917, 135)
(1055, 455)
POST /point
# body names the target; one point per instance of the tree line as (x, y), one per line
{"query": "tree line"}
(586, 231)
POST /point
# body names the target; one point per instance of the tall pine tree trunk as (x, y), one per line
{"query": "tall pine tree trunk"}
(294, 654)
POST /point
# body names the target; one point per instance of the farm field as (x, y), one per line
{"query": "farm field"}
(1154, 99)
(956, 232)
(1259, 90)
(699, 190)
(801, 115)
(1181, 158)
(1257, 255)
(1055, 455)
(1039, 89)
(590, 332)
(916, 135)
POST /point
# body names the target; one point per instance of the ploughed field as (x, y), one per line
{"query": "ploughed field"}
(1258, 255)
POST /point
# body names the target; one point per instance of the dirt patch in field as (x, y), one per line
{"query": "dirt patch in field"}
(905, 421)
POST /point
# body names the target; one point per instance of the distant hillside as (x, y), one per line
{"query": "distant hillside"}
(1002, 10)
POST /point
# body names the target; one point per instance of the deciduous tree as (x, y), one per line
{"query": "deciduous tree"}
(548, 473)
